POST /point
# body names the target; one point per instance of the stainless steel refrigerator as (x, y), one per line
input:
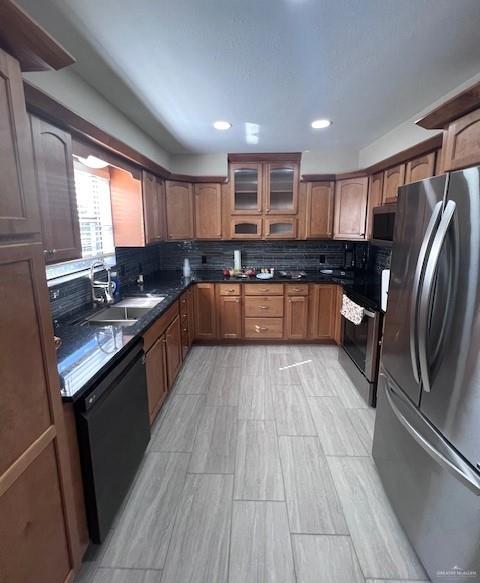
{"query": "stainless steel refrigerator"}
(427, 430)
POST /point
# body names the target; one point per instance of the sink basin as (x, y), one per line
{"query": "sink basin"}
(122, 315)
(139, 302)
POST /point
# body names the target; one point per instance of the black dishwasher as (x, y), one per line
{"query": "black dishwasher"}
(113, 433)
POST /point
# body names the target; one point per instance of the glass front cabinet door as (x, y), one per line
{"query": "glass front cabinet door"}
(280, 228)
(246, 228)
(281, 188)
(246, 185)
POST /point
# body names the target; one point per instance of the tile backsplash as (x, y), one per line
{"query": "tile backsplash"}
(278, 254)
(215, 255)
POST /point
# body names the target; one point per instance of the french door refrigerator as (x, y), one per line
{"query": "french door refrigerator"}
(427, 430)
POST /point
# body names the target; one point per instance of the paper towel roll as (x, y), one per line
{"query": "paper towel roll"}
(237, 260)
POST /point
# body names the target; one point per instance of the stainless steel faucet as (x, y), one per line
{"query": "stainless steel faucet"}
(105, 286)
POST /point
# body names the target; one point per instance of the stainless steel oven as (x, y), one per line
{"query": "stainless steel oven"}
(360, 354)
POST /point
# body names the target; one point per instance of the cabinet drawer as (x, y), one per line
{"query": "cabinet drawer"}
(261, 289)
(151, 335)
(300, 289)
(229, 289)
(264, 307)
(263, 327)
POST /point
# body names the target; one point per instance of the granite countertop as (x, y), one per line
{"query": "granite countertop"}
(88, 351)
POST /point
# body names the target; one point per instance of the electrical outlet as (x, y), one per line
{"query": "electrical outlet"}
(322, 258)
(54, 294)
(204, 259)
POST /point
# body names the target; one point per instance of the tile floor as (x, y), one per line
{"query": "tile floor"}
(258, 471)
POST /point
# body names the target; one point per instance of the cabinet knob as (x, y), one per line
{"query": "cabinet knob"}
(237, 301)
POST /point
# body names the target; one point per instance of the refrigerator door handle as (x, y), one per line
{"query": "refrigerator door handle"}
(427, 292)
(417, 282)
(447, 458)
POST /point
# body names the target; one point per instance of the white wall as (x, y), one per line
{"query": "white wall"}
(73, 92)
(328, 161)
(200, 164)
(405, 135)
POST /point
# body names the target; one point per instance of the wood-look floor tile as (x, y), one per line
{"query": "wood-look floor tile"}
(254, 361)
(282, 368)
(178, 426)
(215, 443)
(363, 421)
(312, 501)
(200, 354)
(314, 378)
(107, 575)
(336, 432)
(382, 547)
(325, 559)
(224, 387)
(292, 413)
(258, 475)
(345, 389)
(194, 379)
(229, 356)
(396, 581)
(255, 401)
(261, 550)
(199, 547)
(140, 540)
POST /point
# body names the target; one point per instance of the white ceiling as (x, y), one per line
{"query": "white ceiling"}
(268, 66)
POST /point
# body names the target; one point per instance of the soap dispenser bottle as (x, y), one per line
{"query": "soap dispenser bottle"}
(187, 271)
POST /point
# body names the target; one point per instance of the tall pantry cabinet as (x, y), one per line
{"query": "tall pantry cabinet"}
(35, 499)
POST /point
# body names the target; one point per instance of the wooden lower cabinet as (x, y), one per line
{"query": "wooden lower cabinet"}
(174, 350)
(296, 317)
(229, 316)
(205, 312)
(263, 328)
(36, 500)
(156, 367)
(322, 319)
(264, 307)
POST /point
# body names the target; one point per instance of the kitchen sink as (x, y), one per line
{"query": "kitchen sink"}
(125, 313)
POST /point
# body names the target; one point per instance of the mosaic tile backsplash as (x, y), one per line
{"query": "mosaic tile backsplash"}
(216, 255)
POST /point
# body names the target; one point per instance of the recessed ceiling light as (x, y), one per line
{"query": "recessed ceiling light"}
(222, 125)
(319, 124)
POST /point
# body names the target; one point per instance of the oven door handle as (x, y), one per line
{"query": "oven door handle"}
(369, 314)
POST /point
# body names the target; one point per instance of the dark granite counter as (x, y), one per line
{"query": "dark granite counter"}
(88, 351)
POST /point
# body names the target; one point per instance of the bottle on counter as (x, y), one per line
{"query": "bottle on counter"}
(187, 270)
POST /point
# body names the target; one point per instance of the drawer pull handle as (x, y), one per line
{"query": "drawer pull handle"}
(231, 291)
(263, 307)
(260, 329)
(264, 289)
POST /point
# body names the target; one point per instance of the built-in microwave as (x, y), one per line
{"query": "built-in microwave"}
(383, 224)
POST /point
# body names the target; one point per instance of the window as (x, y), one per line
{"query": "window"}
(95, 213)
(96, 227)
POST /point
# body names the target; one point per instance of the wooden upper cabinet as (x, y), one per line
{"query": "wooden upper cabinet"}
(208, 211)
(126, 194)
(246, 228)
(179, 210)
(420, 168)
(319, 211)
(246, 182)
(392, 179)
(281, 188)
(19, 213)
(56, 189)
(375, 195)
(350, 208)
(153, 208)
(461, 142)
(280, 228)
